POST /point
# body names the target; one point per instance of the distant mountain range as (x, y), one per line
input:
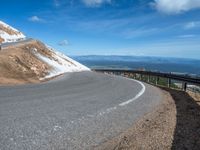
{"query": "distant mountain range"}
(164, 64)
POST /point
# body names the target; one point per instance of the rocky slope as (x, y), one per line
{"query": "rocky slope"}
(32, 62)
(9, 34)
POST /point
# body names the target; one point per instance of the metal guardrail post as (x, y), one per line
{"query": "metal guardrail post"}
(140, 77)
(134, 75)
(148, 78)
(168, 82)
(169, 76)
(184, 86)
(157, 80)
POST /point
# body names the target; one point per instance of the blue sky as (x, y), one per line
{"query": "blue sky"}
(168, 28)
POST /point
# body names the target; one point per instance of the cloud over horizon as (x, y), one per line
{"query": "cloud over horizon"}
(191, 25)
(35, 19)
(175, 6)
(63, 43)
(94, 3)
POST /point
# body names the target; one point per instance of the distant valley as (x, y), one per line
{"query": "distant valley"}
(178, 65)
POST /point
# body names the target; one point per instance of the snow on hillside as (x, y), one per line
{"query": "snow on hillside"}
(60, 63)
(9, 34)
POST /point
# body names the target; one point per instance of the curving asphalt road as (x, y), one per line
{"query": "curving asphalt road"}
(75, 111)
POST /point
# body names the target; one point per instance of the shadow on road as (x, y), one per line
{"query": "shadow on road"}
(187, 131)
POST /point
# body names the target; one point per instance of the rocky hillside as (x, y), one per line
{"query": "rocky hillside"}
(32, 62)
(9, 34)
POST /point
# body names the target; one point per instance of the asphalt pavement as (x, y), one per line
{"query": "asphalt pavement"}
(75, 111)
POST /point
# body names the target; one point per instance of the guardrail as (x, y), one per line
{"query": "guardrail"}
(184, 79)
(21, 41)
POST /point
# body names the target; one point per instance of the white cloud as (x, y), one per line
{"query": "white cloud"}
(56, 3)
(187, 36)
(94, 3)
(142, 32)
(175, 6)
(63, 43)
(191, 25)
(35, 19)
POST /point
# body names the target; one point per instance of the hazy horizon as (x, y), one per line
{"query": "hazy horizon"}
(110, 27)
(163, 64)
(115, 55)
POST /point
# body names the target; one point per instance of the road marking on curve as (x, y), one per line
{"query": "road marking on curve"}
(126, 102)
(137, 96)
(109, 110)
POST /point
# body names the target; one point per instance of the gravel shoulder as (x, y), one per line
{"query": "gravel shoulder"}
(175, 124)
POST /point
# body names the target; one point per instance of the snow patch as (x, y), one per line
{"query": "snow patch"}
(60, 64)
(8, 37)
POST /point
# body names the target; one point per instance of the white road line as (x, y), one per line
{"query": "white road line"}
(109, 110)
(137, 96)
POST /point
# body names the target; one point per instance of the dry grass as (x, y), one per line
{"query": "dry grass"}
(195, 96)
(8, 30)
(19, 65)
(1, 40)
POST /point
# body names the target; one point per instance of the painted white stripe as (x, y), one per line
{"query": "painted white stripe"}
(126, 102)
(137, 96)
(109, 110)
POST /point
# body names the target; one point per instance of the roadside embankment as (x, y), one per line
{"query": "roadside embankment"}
(18, 65)
(175, 124)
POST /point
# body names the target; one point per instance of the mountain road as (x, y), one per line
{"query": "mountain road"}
(75, 111)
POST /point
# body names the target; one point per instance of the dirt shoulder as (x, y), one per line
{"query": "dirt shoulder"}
(175, 124)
